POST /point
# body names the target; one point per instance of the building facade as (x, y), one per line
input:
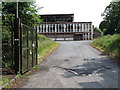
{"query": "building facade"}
(59, 30)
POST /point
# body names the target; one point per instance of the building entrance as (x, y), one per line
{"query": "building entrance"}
(78, 36)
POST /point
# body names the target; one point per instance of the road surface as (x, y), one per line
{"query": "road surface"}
(75, 64)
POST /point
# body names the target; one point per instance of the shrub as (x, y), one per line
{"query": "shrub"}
(110, 44)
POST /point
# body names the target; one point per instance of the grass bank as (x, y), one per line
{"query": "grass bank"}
(45, 47)
(110, 44)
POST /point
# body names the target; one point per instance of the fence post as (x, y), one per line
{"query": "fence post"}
(36, 46)
(16, 45)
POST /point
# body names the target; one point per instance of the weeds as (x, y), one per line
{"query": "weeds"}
(45, 47)
(36, 67)
(4, 80)
(110, 44)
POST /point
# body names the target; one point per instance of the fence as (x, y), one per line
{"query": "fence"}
(20, 49)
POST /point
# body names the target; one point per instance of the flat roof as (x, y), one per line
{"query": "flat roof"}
(64, 22)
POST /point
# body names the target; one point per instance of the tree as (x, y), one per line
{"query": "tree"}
(27, 12)
(111, 22)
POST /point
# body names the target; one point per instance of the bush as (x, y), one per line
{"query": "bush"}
(110, 44)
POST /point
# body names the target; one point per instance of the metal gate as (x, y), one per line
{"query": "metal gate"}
(25, 47)
(23, 50)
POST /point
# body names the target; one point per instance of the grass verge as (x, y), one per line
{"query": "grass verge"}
(109, 44)
(45, 47)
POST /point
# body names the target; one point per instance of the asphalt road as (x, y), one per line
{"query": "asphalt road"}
(75, 64)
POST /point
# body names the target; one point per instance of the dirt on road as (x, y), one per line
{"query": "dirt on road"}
(75, 64)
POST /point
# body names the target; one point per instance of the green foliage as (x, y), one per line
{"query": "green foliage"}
(4, 80)
(36, 67)
(45, 47)
(111, 22)
(44, 43)
(98, 30)
(27, 12)
(110, 44)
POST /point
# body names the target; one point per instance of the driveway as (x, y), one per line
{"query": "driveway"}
(75, 64)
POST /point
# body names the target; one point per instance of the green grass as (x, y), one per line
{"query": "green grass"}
(110, 44)
(4, 80)
(36, 67)
(45, 47)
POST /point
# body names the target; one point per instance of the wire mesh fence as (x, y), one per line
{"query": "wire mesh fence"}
(19, 47)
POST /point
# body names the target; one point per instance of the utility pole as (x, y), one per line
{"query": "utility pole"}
(17, 9)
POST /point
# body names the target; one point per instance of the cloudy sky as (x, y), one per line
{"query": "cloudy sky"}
(83, 10)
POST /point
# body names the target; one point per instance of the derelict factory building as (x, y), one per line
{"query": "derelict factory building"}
(62, 27)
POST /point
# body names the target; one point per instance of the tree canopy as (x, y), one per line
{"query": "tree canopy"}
(27, 12)
(111, 22)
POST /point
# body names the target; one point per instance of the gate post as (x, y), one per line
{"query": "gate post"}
(36, 45)
(16, 45)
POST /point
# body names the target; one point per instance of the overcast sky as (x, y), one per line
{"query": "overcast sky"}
(83, 10)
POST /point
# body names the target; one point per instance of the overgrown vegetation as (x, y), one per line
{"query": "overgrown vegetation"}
(110, 44)
(111, 19)
(4, 80)
(45, 47)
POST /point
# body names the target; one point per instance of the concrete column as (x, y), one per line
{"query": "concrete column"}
(64, 27)
(44, 27)
(73, 27)
(85, 27)
(82, 27)
(76, 27)
(79, 27)
(40, 28)
(55, 28)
